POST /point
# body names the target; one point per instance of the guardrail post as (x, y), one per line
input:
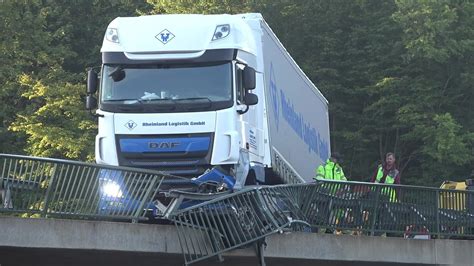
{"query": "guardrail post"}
(145, 199)
(376, 206)
(263, 204)
(437, 214)
(260, 246)
(48, 191)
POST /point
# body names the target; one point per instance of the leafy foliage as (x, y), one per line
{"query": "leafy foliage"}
(46, 57)
(201, 6)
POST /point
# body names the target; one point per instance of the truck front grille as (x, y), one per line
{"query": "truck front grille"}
(182, 155)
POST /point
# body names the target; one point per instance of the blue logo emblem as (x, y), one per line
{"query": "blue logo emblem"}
(274, 96)
(130, 125)
(164, 36)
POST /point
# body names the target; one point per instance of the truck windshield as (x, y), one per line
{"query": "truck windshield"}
(168, 85)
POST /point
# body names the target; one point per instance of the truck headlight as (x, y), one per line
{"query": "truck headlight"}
(111, 189)
(221, 31)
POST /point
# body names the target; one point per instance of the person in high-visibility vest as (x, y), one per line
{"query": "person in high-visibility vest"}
(387, 173)
(331, 169)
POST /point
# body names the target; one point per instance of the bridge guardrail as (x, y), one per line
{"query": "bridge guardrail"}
(44, 187)
(247, 216)
(402, 210)
(211, 224)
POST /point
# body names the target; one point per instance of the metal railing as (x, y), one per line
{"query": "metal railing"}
(284, 170)
(43, 187)
(226, 222)
(402, 210)
(210, 224)
(233, 220)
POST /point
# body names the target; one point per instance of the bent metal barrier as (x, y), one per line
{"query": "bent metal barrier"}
(233, 220)
(43, 187)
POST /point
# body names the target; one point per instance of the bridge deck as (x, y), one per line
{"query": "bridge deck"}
(99, 236)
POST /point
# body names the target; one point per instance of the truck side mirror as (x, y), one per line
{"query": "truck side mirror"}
(91, 102)
(91, 81)
(248, 78)
(250, 99)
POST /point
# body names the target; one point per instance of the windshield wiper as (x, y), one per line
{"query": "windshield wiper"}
(193, 99)
(142, 101)
(197, 103)
(120, 100)
(157, 100)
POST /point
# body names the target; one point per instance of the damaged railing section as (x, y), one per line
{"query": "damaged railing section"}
(43, 187)
(210, 224)
(214, 226)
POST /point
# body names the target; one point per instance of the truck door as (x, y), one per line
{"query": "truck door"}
(252, 120)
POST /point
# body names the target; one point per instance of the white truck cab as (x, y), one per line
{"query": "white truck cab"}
(183, 93)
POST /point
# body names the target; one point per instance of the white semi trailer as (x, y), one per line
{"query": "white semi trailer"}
(184, 93)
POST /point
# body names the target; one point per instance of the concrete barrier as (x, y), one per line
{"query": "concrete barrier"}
(147, 238)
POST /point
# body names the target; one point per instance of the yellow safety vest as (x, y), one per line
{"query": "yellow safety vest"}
(330, 170)
(389, 179)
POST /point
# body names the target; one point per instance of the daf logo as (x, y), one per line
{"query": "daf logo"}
(164, 36)
(163, 145)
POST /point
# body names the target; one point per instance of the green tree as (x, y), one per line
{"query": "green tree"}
(49, 52)
(58, 126)
(201, 6)
(22, 49)
(348, 48)
(419, 106)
